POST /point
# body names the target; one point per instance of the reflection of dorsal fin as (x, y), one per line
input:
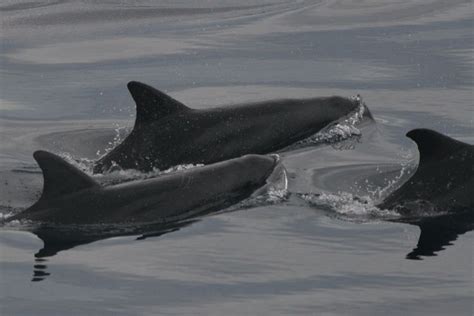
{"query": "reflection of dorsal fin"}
(433, 145)
(60, 177)
(151, 103)
(437, 232)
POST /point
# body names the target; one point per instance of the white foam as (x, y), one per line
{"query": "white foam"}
(348, 205)
(6, 215)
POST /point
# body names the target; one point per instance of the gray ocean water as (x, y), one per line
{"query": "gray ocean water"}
(63, 75)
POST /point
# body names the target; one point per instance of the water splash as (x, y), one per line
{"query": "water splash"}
(342, 134)
(274, 191)
(349, 206)
(421, 208)
(120, 134)
(276, 188)
(125, 175)
(364, 207)
(392, 184)
(378, 191)
(119, 175)
(83, 164)
(6, 212)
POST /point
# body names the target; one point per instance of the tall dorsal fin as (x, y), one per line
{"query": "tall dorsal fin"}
(152, 104)
(60, 177)
(433, 145)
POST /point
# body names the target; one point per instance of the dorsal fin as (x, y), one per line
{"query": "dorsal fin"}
(433, 145)
(152, 104)
(60, 177)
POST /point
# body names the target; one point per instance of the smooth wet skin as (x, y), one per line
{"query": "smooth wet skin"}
(167, 133)
(72, 197)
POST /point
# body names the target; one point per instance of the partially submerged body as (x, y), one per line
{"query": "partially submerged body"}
(167, 133)
(72, 197)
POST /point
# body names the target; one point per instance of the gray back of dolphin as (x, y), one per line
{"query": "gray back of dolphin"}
(443, 181)
(72, 197)
(168, 133)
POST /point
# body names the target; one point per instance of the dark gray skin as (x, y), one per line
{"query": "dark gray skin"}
(167, 133)
(72, 197)
(439, 197)
(443, 181)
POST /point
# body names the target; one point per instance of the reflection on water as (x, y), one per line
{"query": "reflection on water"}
(64, 68)
(436, 232)
(40, 270)
(60, 238)
(439, 232)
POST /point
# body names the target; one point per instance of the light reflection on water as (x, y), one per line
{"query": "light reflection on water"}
(65, 66)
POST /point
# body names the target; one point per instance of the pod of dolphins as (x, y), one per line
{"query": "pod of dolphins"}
(235, 143)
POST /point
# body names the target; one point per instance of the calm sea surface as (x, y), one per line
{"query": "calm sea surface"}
(63, 75)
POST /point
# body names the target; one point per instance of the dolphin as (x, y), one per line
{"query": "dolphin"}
(75, 210)
(72, 197)
(439, 197)
(443, 181)
(168, 133)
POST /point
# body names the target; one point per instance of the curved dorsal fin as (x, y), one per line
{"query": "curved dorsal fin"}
(152, 104)
(433, 145)
(60, 177)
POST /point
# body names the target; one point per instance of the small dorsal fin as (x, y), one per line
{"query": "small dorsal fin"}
(152, 104)
(433, 145)
(60, 177)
